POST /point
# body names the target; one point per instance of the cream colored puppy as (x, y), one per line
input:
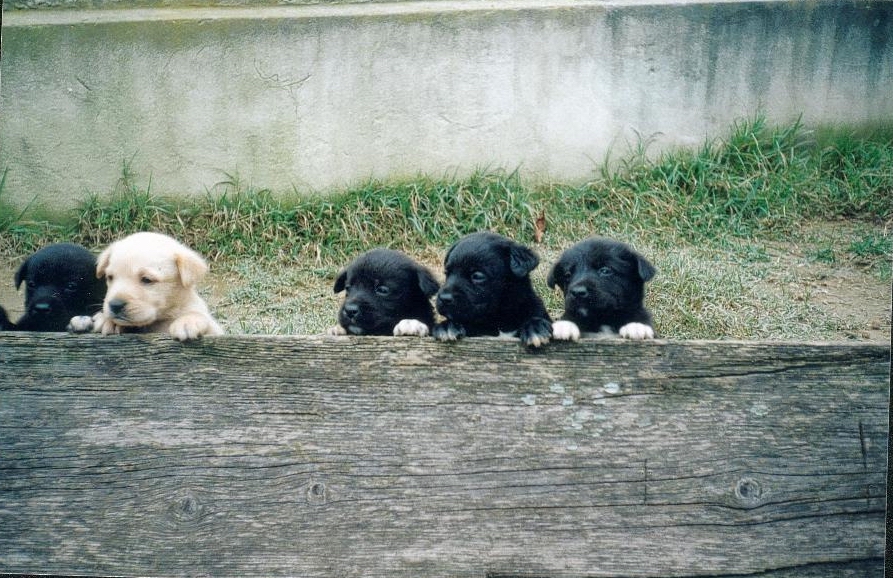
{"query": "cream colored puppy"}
(151, 281)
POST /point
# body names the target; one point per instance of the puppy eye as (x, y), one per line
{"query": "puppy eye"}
(109, 278)
(71, 286)
(382, 290)
(605, 272)
(478, 277)
(146, 280)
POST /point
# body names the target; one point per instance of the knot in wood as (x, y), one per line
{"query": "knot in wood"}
(186, 508)
(316, 493)
(748, 490)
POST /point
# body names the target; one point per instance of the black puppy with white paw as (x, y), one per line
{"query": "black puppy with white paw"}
(488, 292)
(387, 294)
(603, 282)
(60, 283)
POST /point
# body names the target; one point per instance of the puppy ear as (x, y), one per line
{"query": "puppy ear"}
(646, 269)
(341, 281)
(555, 276)
(427, 282)
(190, 265)
(22, 272)
(448, 253)
(102, 262)
(522, 260)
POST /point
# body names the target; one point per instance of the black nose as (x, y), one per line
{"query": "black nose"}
(445, 297)
(351, 310)
(579, 291)
(42, 307)
(116, 306)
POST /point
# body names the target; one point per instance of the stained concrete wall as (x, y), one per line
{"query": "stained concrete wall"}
(315, 97)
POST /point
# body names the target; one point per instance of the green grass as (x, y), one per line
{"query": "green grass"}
(704, 215)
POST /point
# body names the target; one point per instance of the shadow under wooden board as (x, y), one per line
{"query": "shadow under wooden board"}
(327, 456)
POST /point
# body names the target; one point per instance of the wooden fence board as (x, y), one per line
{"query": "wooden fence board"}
(325, 456)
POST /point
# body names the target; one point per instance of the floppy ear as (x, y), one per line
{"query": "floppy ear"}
(22, 272)
(190, 265)
(427, 282)
(341, 281)
(646, 269)
(102, 262)
(556, 276)
(522, 260)
(448, 253)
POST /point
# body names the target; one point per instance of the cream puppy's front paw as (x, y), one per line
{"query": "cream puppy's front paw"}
(336, 330)
(411, 327)
(190, 328)
(564, 330)
(636, 331)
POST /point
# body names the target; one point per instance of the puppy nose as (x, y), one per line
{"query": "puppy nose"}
(42, 307)
(116, 306)
(445, 297)
(579, 291)
(351, 310)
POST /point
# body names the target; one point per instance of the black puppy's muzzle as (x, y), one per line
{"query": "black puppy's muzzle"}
(578, 291)
(351, 311)
(445, 301)
(45, 302)
(357, 317)
(41, 308)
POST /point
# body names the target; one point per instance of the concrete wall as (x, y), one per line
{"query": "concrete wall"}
(316, 97)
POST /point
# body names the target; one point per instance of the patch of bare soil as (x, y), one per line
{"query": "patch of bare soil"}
(858, 301)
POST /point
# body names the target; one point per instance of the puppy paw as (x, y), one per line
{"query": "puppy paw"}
(565, 331)
(190, 328)
(336, 330)
(411, 327)
(447, 331)
(80, 324)
(637, 331)
(536, 332)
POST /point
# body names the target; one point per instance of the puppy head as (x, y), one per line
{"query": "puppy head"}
(59, 284)
(383, 287)
(150, 277)
(600, 278)
(481, 269)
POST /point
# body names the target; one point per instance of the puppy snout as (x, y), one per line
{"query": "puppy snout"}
(444, 298)
(42, 307)
(116, 306)
(579, 291)
(351, 310)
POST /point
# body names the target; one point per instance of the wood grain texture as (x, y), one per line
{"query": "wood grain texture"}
(342, 457)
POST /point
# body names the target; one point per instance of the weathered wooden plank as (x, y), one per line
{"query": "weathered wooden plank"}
(324, 456)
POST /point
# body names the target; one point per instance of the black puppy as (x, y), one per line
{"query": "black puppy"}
(387, 294)
(488, 292)
(603, 284)
(60, 283)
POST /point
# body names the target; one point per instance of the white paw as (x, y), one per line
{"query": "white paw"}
(80, 324)
(636, 331)
(189, 328)
(336, 330)
(565, 331)
(411, 327)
